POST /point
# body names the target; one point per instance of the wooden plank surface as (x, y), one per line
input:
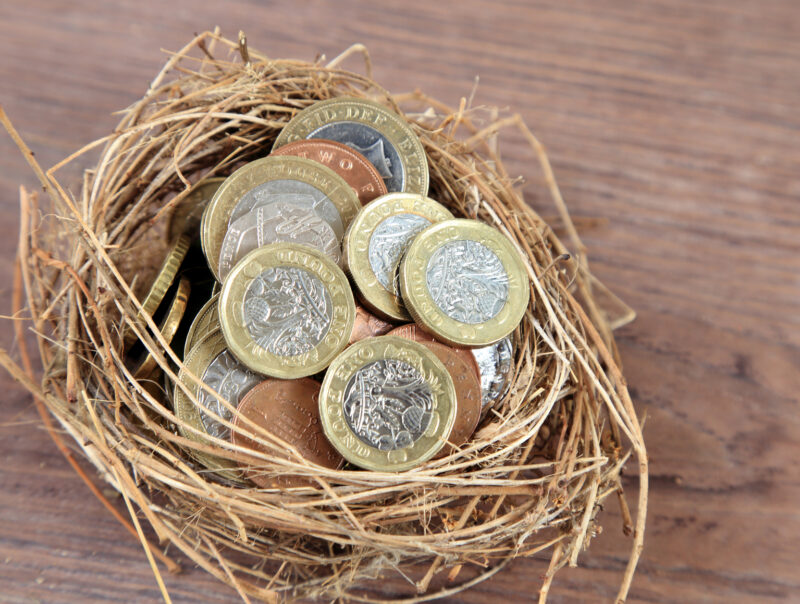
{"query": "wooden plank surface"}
(674, 122)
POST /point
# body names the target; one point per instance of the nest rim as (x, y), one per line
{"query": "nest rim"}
(114, 206)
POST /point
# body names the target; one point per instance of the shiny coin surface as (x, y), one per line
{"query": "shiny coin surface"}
(468, 396)
(495, 362)
(168, 328)
(300, 182)
(206, 321)
(186, 217)
(289, 410)
(286, 310)
(376, 241)
(414, 332)
(273, 223)
(464, 282)
(348, 163)
(211, 361)
(379, 134)
(367, 325)
(387, 404)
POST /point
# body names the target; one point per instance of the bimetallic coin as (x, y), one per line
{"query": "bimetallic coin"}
(468, 396)
(495, 362)
(186, 217)
(216, 367)
(376, 241)
(377, 133)
(414, 332)
(273, 223)
(464, 282)
(348, 163)
(367, 325)
(288, 410)
(286, 310)
(168, 328)
(206, 321)
(300, 182)
(387, 404)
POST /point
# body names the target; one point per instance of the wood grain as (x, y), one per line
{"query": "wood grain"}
(674, 121)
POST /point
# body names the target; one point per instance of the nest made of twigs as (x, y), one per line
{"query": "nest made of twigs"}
(532, 478)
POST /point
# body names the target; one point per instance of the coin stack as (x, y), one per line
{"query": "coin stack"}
(351, 318)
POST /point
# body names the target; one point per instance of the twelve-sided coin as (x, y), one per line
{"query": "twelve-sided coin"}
(286, 310)
(464, 282)
(379, 134)
(376, 241)
(387, 404)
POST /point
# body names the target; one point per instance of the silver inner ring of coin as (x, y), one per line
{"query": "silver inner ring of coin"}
(275, 222)
(295, 192)
(388, 243)
(231, 380)
(287, 310)
(388, 404)
(494, 362)
(467, 281)
(370, 143)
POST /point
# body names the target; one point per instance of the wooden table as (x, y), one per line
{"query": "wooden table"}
(675, 124)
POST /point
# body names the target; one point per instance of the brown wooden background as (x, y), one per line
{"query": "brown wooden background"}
(674, 121)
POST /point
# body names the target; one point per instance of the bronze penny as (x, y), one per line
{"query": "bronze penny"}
(348, 163)
(288, 409)
(468, 395)
(368, 325)
(412, 331)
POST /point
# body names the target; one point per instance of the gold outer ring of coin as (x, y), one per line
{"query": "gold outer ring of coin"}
(204, 322)
(195, 363)
(164, 278)
(420, 303)
(348, 109)
(342, 436)
(169, 326)
(214, 224)
(355, 248)
(289, 255)
(201, 194)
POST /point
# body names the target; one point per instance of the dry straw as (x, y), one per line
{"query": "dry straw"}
(531, 481)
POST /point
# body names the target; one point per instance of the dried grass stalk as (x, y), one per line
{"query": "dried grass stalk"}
(532, 479)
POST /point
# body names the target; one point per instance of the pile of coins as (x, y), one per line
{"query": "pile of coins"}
(288, 359)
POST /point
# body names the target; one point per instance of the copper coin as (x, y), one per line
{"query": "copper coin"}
(468, 395)
(288, 409)
(348, 163)
(412, 331)
(368, 325)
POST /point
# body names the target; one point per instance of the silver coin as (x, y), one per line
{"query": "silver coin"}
(231, 380)
(388, 243)
(276, 222)
(467, 281)
(371, 144)
(495, 363)
(287, 310)
(388, 404)
(295, 192)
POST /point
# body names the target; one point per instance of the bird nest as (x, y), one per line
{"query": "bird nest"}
(529, 483)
